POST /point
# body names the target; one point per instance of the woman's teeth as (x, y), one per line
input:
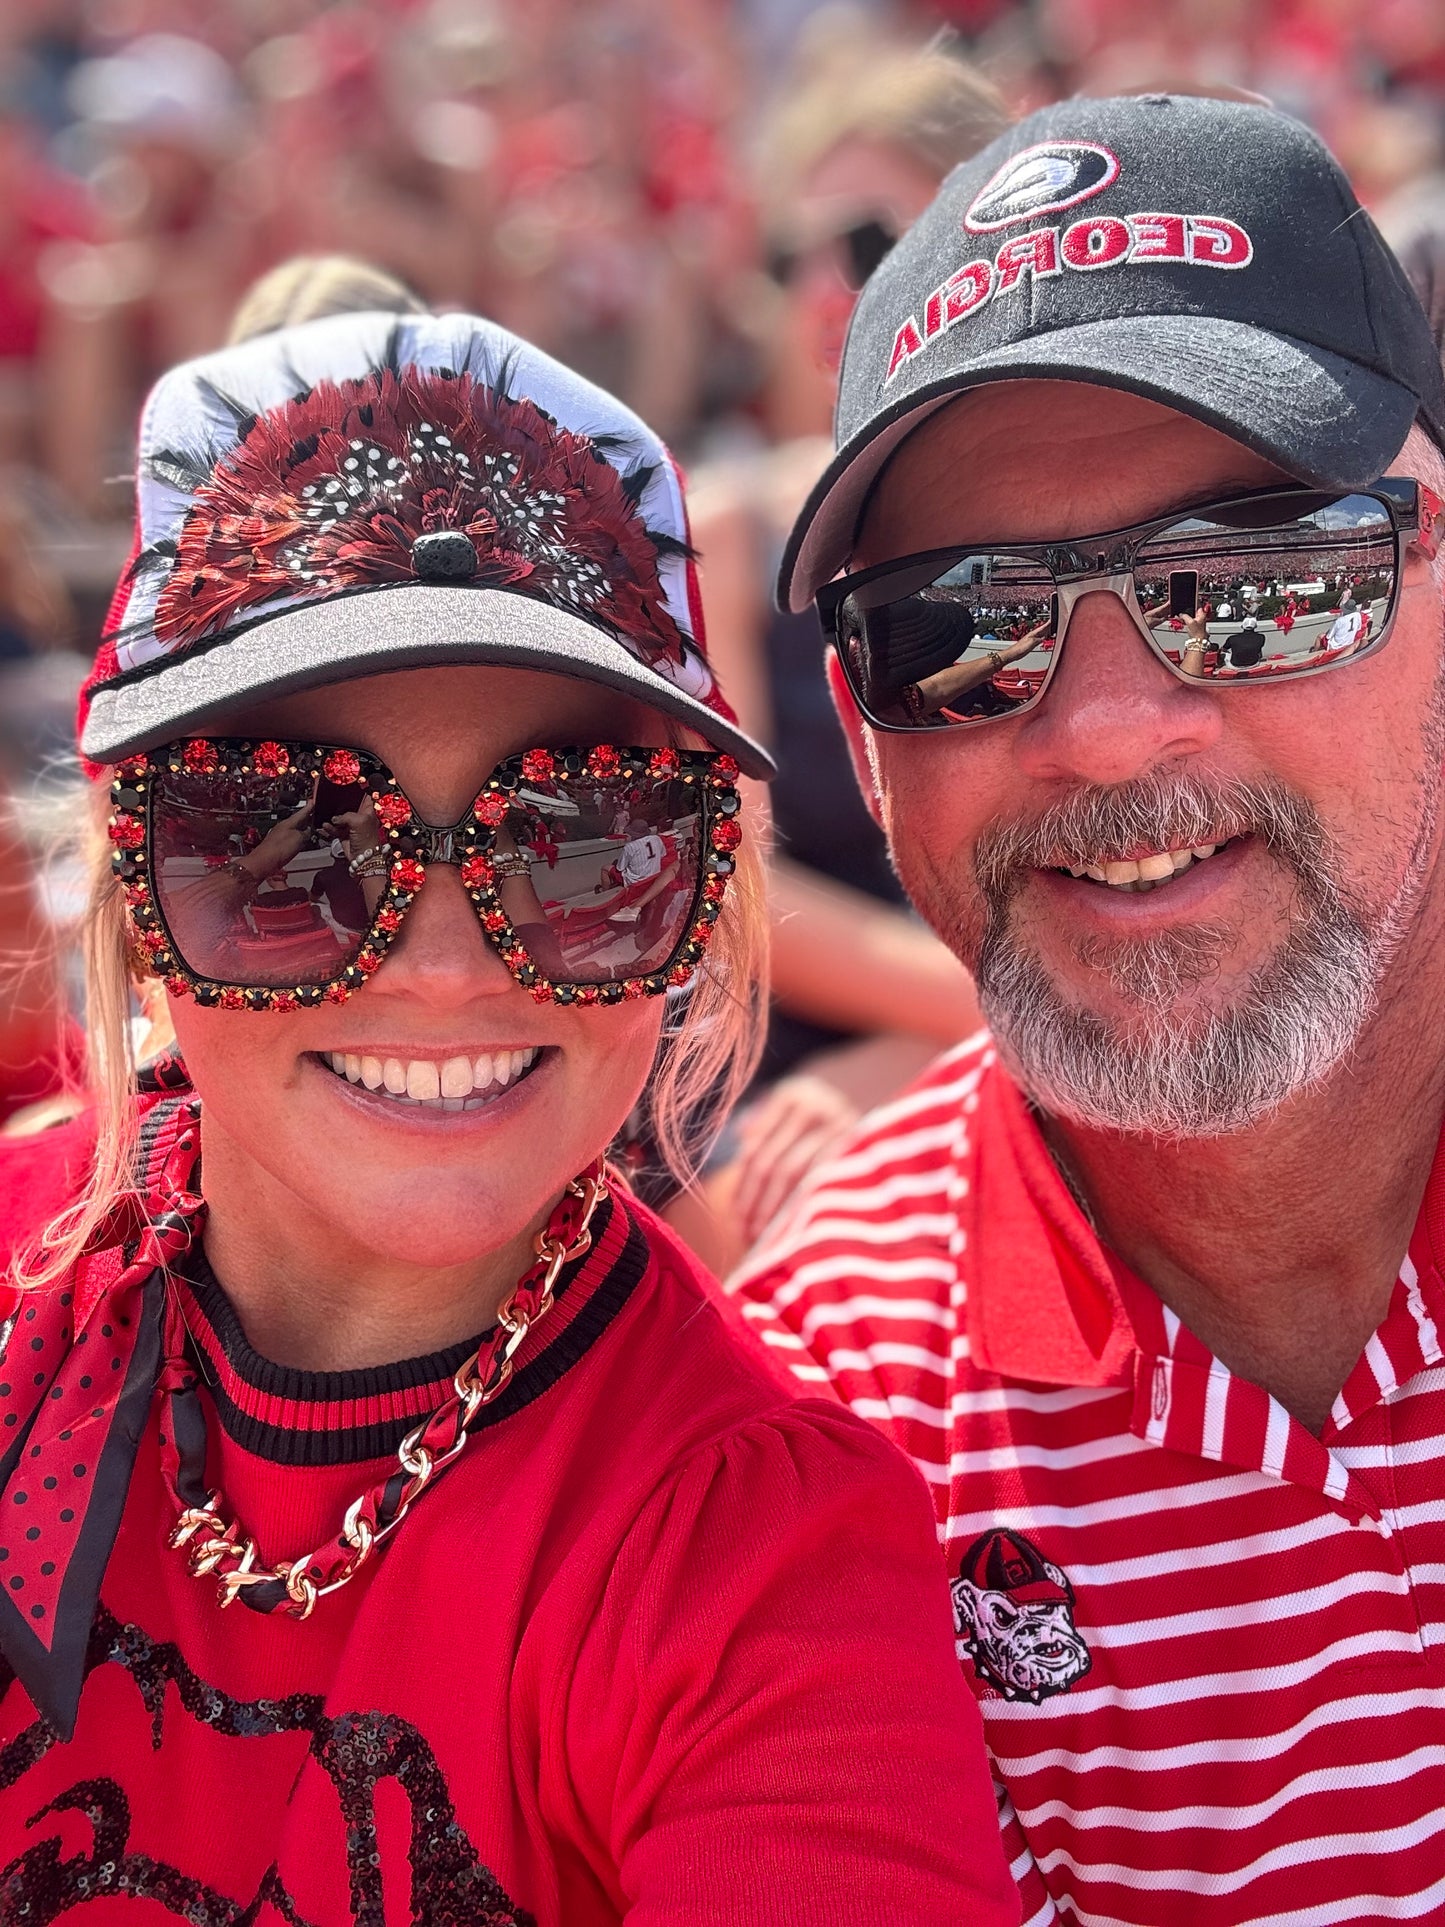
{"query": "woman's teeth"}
(1145, 873)
(455, 1084)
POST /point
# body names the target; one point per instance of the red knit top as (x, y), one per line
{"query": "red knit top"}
(666, 1643)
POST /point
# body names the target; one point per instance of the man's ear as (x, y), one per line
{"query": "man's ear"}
(855, 731)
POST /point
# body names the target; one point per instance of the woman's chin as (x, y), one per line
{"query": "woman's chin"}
(438, 1233)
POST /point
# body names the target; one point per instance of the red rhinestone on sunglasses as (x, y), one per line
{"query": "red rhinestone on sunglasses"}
(178, 986)
(494, 920)
(389, 921)
(368, 961)
(633, 989)
(201, 757)
(337, 993)
(137, 894)
(490, 808)
(233, 999)
(134, 766)
(664, 762)
(408, 874)
(604, 761)
(477, 873)
(538, 765)
(342, 767)
(270, 759)
(283, 1000)
(393, 809)
(726, 767)
(727, 835)
(127, 831)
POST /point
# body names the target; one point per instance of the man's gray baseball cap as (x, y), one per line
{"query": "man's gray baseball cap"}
(1207, 254)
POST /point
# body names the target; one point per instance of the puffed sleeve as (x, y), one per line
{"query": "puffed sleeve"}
(767, 1722)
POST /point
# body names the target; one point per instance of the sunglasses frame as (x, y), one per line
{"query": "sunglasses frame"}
(1082, 564)
(846, 243)
(413, 846)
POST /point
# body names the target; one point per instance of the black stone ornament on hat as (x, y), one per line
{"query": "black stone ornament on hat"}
(1208, 254)
(447, 555)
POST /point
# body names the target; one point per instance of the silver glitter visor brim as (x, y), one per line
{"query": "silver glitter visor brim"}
(366, 633)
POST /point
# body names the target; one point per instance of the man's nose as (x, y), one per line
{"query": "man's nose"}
(1113, 711)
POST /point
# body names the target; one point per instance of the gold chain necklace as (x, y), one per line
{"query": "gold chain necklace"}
(221, 1550)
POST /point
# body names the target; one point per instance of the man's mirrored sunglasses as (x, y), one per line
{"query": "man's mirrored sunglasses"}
(1253, 590)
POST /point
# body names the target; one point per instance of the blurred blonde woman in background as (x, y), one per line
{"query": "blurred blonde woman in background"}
(863, 994)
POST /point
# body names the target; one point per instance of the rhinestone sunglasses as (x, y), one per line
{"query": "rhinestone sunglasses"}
(277, 875)
(1254, 590)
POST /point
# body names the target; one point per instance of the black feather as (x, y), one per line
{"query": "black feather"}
(243, 417)
(390, 362)
(182, 468)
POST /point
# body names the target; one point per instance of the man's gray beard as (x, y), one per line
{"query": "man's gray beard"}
(1209, 1074)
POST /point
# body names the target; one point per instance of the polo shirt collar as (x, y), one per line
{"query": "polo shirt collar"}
(1043, 1300)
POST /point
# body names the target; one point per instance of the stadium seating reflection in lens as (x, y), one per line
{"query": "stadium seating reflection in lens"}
(253, 877)
(970, 643)
(1275, 597)
(599, 881)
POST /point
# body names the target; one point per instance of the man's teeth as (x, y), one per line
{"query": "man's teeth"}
(1145, 873)
(451, 1084)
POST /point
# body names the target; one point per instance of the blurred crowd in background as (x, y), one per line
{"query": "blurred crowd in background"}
(676, 196)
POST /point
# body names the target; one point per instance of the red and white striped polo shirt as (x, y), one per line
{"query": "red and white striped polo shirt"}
(1209, 1648)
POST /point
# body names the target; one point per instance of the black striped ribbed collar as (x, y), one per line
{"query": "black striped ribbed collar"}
(296, 1417)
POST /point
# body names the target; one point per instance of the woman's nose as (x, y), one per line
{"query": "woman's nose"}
(441, 954)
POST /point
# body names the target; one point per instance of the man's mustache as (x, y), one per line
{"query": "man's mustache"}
(1160, 811)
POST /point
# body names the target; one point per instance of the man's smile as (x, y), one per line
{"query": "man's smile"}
(1149, 870)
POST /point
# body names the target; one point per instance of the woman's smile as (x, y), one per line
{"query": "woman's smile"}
(462, 1080)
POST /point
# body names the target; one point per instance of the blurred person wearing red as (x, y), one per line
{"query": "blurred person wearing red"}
(40, 1050)
(863, 993)
(45, 216)
(163, 121)
(1150, 1281)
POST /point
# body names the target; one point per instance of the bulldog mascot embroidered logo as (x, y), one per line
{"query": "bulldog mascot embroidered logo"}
(1014, 1611)
(1041, 180)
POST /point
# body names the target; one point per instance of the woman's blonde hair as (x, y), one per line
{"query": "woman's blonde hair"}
(705, 1060)
(309, 286)
(854, 82)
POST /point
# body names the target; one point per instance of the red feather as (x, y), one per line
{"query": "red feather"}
(328, 492)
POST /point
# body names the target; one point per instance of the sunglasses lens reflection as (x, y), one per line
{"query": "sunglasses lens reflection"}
(611, 874)
(252, 874)
(1248, 591)
(1270, 597)
(960, 647)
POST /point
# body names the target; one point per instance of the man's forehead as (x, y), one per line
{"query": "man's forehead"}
(1031, 460)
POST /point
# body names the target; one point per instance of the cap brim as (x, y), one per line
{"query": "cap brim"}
(368, 632)
(1322, 419)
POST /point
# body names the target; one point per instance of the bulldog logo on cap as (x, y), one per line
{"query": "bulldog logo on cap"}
(1041, 180)
(1014, 1611)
